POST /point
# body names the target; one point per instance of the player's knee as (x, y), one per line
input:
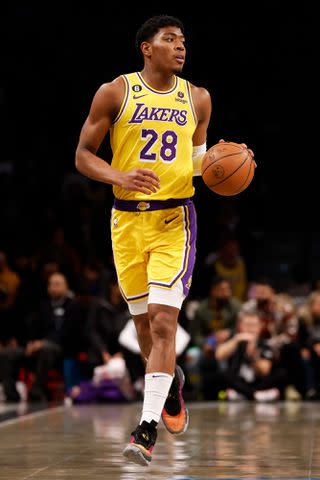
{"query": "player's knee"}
(163, 327)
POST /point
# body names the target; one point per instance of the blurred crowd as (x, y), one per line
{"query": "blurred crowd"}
(239, 339)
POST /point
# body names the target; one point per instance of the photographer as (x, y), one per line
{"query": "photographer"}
(250, 373)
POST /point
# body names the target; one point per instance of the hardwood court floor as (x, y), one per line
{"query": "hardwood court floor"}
(224, 440)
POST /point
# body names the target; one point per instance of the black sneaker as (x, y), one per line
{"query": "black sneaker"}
(37, 394)
(142, 441)
(10, 391)
(175, 415)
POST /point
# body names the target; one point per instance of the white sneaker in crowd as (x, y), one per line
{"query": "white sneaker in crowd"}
(269, 395)
(234, 396)
(291, 393)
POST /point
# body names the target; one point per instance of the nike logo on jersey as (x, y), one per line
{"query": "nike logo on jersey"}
(170, 219)
(135, 97)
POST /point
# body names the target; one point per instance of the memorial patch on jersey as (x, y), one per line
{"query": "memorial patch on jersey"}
(159, 114)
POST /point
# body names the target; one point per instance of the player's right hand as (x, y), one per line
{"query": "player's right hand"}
(140, 180)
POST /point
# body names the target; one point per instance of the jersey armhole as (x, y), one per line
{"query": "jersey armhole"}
(124, 101)
(191, 103)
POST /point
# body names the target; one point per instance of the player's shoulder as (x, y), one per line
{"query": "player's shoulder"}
(118, 82)
(113, 86)
(199, 92)
(110, 93)
(202, 101)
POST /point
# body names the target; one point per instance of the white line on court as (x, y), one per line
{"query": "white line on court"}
(29, 416)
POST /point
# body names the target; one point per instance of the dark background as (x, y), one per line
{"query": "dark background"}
(257, 65)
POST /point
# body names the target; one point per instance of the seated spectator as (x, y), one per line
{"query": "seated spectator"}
(250, 369)
(288, 344)
(262, 299)
(106, 319)
(54, 332)
(217, 312)
(9, 326)
(310, 353)
(229, 264)
(9, 283)
(212, 321)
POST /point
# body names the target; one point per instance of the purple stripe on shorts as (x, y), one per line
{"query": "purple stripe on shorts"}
(189, 256)
(133, 297)
(149, 205)
(186, 279)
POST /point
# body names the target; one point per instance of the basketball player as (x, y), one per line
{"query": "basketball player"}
(158, 126)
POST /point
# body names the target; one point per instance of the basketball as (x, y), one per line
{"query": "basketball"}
(227, 168)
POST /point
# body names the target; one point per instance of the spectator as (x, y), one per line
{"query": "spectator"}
(250, 373)
(228, 263)
(212, 322)
(9, 284)
(106, 319)
(263, 301)
(54, 333)
(288, 344)
(215, 313)
(310, 317)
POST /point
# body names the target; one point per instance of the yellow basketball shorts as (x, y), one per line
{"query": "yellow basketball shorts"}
(154, 248)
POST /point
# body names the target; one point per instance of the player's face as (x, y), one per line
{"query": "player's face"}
(167, 49)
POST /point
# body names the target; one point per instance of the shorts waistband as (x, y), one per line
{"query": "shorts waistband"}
(149, 206)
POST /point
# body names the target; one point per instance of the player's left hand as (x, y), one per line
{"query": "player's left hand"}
(245, 146)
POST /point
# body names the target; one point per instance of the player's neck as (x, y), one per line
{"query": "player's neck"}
(156, 79)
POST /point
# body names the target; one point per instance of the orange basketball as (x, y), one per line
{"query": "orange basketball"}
(227, 168)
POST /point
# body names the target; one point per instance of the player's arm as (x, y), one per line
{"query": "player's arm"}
(104, 108)
(202, 104)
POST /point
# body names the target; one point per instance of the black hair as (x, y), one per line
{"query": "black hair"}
(216, 280)
(263, 280)
(151, 27)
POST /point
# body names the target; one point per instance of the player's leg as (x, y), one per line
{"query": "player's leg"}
(170, 237)
(131, 266)
(158, 379)
(174, 414)
(170, 272)
(142, 324)
(163, 328)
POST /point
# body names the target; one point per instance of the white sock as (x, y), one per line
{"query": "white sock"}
(157, 386)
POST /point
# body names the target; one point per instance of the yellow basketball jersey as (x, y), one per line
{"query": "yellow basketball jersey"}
(154, 130)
